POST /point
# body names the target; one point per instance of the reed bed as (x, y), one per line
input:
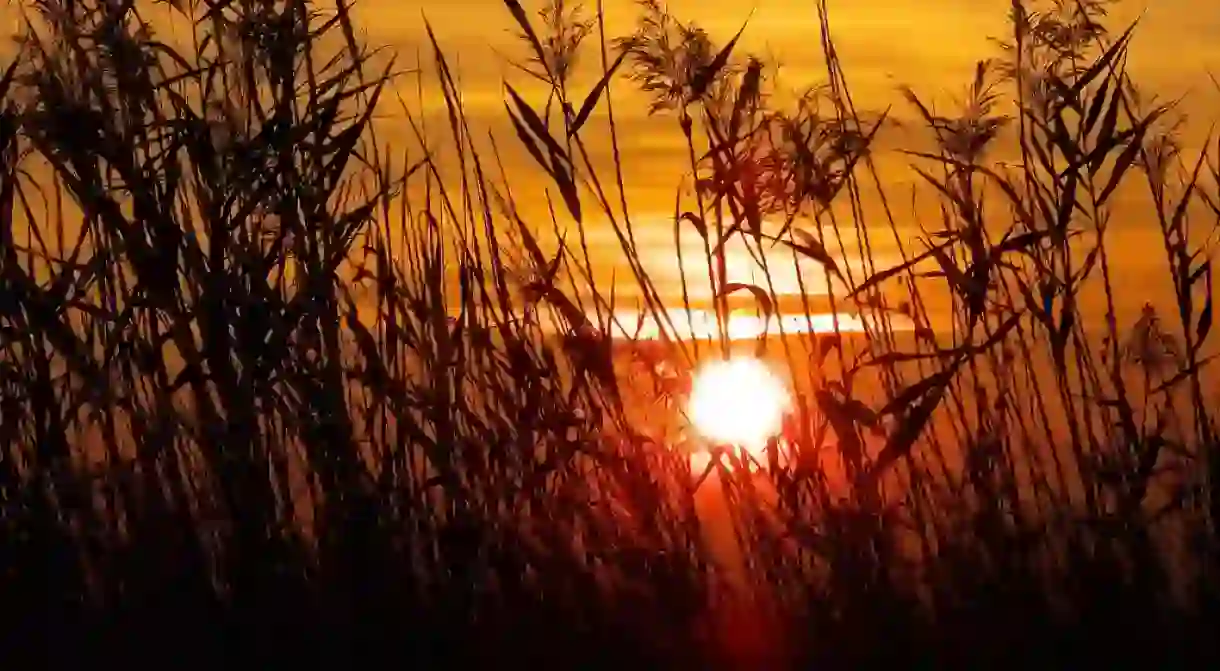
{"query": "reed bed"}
(273, 387)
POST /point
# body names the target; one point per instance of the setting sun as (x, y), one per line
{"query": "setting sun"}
(739, 402)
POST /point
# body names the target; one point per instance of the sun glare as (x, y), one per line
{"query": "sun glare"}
(738, 403)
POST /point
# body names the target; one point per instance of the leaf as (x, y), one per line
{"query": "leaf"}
(368, 347)
(551, 270)
(1134, 147)
(761, 295)
(1204, 327)
(1068, 202)
(748, 94)
(1090, 262)
(940, 186)
(908, 431)
(908, 396)
(560, 166)
(891, 359)
(1095, 107)
(998, 335)
(753, 217)
(957, 278)
(1015, 200)
(1192, 185)
(591, 100)
(537, 126)
(1106, 134)
(828, 342)
(878, 278)
(1203, 269)
(851, 408)
(706, 75)
(1103, 62)
(567, 189)
(1185, 373)
(695, 221)
(930, 119)
(843, 422)
(1020, 242)
(526, 139)
(814, 249)
(1044, 160)
(527, 30)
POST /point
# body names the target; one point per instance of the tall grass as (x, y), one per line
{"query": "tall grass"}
(273, 384)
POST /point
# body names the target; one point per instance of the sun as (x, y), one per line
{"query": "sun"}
(738, 403)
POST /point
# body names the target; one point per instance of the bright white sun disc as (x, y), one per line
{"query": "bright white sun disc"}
(738, 402)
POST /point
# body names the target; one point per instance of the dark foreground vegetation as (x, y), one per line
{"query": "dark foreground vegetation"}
(272, 389)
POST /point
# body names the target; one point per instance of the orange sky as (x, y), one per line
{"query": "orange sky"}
(930, 45)
(926, 43)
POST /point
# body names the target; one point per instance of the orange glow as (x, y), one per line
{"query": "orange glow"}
(739, 403)
(703, 324)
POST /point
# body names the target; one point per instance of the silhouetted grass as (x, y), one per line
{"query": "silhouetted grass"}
(275, 388)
